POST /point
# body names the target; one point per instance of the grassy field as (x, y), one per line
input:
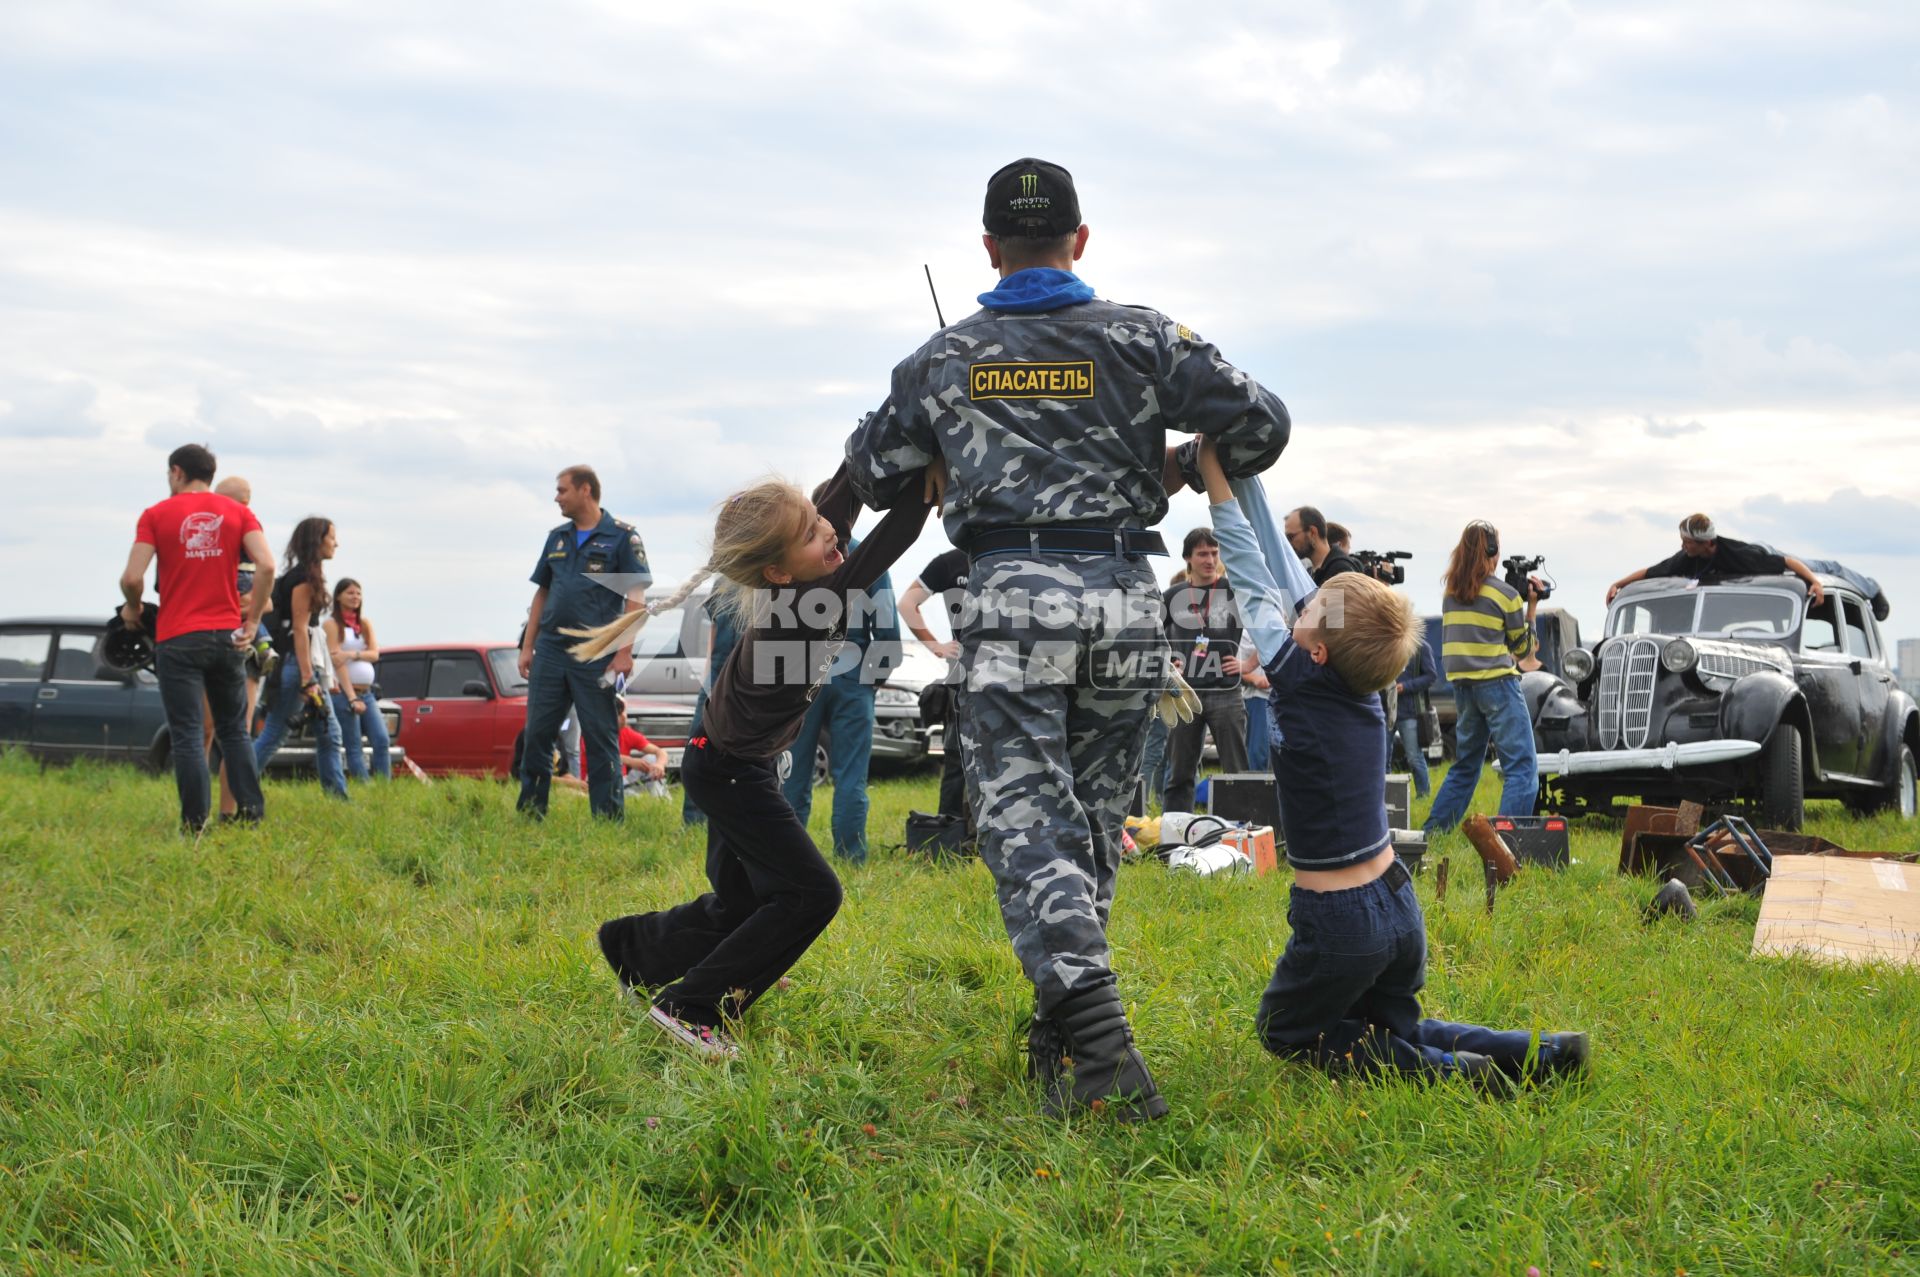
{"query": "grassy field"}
(380, 1039)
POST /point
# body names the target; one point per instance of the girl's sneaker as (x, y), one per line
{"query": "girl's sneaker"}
(699, 1038)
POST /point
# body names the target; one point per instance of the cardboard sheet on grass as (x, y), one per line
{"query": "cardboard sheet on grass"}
(1840, 909)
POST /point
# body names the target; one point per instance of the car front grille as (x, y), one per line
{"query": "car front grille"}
(1628, 668)
(1731, 665)
(668, 729)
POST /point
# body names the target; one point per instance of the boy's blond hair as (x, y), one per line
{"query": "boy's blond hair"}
(1370, 631)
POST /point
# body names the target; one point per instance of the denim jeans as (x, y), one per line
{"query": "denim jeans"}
(1408, 730)
(1345, 993)
(368, 720)
(844, 709)
(690, 813)
(1259, 733)
(193, 669)
(1495, 708)
(283, 698)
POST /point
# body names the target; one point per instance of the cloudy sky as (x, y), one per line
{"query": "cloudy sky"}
(1576, 268)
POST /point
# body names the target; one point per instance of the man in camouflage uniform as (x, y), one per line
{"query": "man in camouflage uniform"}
(1051, 408)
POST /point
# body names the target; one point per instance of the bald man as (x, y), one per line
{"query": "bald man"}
(235, 488)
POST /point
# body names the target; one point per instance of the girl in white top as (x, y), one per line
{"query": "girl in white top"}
(355, 652)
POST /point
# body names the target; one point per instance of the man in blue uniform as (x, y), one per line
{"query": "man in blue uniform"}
(591, 568)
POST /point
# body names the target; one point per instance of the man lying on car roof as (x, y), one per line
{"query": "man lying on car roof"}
(1707, 556)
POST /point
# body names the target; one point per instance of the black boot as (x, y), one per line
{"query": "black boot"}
(1563, 1055)
(1106, 1066)
(1046, 1059)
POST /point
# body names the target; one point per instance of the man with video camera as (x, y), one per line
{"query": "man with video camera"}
(1306, 530)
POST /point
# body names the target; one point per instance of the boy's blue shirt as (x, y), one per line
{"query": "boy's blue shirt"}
(1331, 762)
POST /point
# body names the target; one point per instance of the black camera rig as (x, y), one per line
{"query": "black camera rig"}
(1519, 567)
(1383, 565)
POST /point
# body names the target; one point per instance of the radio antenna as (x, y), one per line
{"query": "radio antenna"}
(936, 296)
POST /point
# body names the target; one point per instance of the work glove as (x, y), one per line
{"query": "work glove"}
(1178, 704)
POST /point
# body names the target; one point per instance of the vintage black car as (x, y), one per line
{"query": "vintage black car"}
(1738, 691)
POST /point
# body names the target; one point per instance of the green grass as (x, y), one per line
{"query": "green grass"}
(380, 1039)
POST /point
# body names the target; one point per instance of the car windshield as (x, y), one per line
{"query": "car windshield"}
(1752, 613)
(506, 670)
(1723, 613)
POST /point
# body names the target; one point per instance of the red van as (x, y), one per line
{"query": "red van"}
(463, 707)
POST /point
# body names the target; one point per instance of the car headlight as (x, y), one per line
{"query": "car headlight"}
(1578, 664)
(1679, 657)
(895, 697)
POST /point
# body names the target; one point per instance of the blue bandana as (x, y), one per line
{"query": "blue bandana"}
(1039, 288)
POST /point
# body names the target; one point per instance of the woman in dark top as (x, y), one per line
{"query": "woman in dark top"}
(703, 963)
(299, 600)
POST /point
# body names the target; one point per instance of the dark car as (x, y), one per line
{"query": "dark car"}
(464, 708)
(1740, 691)
(61, 701)
(670, 662)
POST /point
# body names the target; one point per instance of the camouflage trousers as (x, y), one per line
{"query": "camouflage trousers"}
(1064, 657)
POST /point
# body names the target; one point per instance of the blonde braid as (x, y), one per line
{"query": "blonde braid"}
(624, 629)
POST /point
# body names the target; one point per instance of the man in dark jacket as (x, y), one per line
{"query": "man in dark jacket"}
(1203, 628)
(1306, 530)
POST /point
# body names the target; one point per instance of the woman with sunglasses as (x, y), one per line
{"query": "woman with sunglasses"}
(1485, 630)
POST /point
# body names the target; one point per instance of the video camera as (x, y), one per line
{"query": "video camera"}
(1519, 568)
(1381, 565)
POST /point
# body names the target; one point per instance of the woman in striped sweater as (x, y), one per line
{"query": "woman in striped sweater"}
(1483, 635)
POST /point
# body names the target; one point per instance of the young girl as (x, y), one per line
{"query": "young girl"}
(299, 599)
(351, 640)
(705, 962)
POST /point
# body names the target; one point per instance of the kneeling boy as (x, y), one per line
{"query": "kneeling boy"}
(1345, 993)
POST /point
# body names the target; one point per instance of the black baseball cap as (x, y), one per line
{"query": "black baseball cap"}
(1032, 199)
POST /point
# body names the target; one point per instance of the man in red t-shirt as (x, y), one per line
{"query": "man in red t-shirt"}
(200, 539)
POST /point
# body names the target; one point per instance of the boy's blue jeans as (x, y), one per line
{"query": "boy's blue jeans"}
(1345, 993)
(1486, 708)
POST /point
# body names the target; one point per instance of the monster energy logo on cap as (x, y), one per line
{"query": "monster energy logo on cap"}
(1033, 199)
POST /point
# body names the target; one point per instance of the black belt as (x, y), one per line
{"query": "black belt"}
(1064, 540)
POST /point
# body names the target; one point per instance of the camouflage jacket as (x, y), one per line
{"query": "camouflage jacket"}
(1058, 417)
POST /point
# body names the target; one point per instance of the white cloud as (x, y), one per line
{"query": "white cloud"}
(1582, 267)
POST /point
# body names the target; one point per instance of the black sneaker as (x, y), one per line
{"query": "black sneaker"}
(1483, 1074)
(701, 1039)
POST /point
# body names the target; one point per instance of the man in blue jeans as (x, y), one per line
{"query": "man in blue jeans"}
(1410, 706)
(199, 539)
(843, 706)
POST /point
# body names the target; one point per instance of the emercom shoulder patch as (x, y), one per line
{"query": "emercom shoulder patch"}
(1069, 380)
(1184, 333)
